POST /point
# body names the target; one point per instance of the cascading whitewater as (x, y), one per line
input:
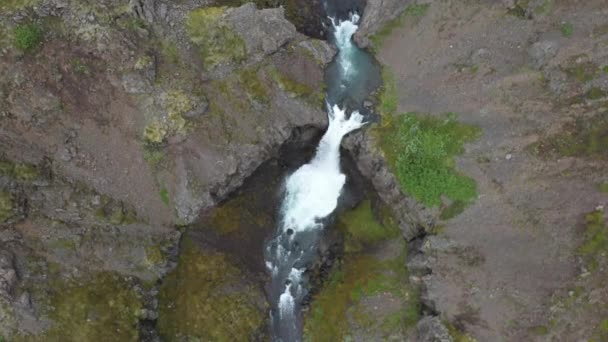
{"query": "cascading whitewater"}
(311, 194)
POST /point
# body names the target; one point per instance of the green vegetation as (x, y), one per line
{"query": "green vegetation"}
(176, 103)
(362, 226)
(544, 8)
(154, 255)
(595, 93)
(389, 99)
(596, 239)
(231, 216)
(539, 330)
(27, 37)
(566, 29)
(12, 5)
(153, 155)
(115, 212)
(603, 187)
(454, 209)
(80, 67)
(6, 206)
(457, 335)
(582, 71)
(155, 132)
(421, 150)
(19, 171)
(218, 42)
(103, 308)
(412, 11)
(200, 300)
(361, 276)
(164, 196)
(341, 305)
(290, 85)
(585, 137)
(253, 86)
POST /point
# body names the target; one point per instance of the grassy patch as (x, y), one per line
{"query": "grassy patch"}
(566, 29)
(164, 196)
(457, 335)
(539, 330)
(218, 42)
(27, 37)
(595, 238)
(389, 99)
(421, 150)
(362, 226)
(358, 277)
(199, 300)
(581, 71)
(153, 155)
(603, 187)
(585, 137)
(412, 11)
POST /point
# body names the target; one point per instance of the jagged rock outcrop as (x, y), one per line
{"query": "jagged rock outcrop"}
(377, 13)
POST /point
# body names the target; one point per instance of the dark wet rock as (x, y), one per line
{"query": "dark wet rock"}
(419, 264)
(263, 31)
(431, 329)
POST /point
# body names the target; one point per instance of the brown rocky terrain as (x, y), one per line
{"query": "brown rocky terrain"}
(128, 128)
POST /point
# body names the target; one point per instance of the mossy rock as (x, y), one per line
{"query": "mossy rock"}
(205, 299)
(218, 42)
(19, 171)
(362, 226)
(6, 206)
(595, 245)
(102, 308)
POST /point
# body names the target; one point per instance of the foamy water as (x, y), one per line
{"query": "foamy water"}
(311, 194)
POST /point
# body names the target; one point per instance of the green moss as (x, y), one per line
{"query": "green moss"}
(362, 226)
(28, 36)
(154, 255)
(12, 5)
(603, 187)
(232, 215)
(544, 8)
(253, 86)
(421, 150)
(585, 137)
(155, 132)
(164, 196)
(581, 71)
(359, 277)
(595, 238)
(19, 171)
(199, 301)
(103, 308)
(454, 209)
(539, 330)
(290, 85)
(457, 335)
(153, 155)
(412, 11)
(115, 212)
(595, 93)
(218, 42)
(566, 30)
(389, 99)
(6, 206)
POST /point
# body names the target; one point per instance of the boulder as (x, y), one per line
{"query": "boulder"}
(431, 329)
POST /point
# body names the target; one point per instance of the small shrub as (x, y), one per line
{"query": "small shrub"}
(567, 30)
(27, 36)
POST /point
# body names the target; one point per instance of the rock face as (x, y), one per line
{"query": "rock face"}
(377, 13)
(430, 329)
(264, 31)
(113, 132)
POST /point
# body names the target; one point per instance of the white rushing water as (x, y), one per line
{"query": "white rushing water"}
(311, 194)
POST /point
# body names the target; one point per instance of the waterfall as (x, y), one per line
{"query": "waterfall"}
(311, 194)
